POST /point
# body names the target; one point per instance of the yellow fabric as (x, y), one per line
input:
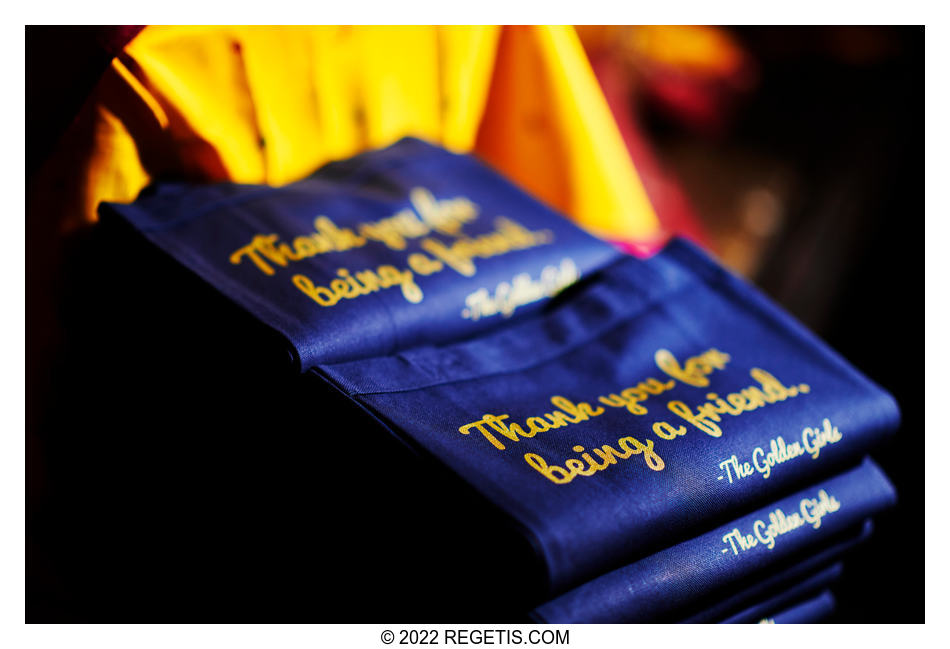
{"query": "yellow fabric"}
(271, 104)
(548, 127)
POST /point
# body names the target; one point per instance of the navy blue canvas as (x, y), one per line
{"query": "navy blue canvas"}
(812, 562)
(406, 245)
(781, 601)
(598, 388)
(751, 545)
(809, 611)
(640, 404)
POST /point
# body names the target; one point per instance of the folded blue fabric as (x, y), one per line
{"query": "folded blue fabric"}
(809, 611)
(632, 410)
(669, 580)
(782, 601)
(659, 396)
(397, 247)
(763, 588)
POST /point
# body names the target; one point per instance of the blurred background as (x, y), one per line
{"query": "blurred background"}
(793, 154)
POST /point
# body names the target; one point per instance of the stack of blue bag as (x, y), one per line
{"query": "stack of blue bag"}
(673, 445)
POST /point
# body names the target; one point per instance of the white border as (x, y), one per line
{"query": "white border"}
(12, 396)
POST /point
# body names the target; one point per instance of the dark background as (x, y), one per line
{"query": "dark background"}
(165, 480)
(834, 132)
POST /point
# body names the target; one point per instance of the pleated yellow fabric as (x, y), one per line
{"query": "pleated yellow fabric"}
(271, 104)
